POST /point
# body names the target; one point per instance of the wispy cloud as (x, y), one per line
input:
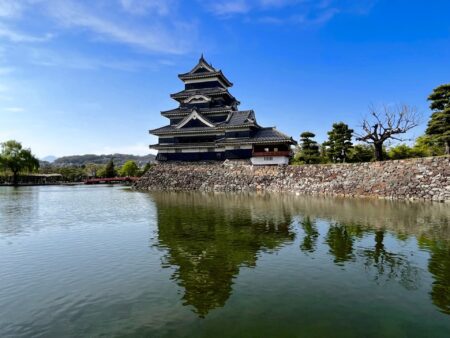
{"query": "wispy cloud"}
(305, 12)
(155, 32)
(6, 70)
(15, 36)
(142, 7)
(226, 8)
(48, 58)
(13, 109)
(10, 8)
(154, 36)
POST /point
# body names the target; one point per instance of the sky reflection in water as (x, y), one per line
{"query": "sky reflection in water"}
(108, 261)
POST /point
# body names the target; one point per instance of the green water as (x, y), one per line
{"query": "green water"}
(106, 261)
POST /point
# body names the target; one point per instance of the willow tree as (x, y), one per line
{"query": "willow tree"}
(439, 124)
(387, 123)
(16, 159)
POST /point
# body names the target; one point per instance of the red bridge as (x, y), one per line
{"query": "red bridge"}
(111, 180)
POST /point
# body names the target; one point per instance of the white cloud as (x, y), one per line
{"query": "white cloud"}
(6, 70)
(103, 20)
(141, 7)
(10, 8)
(154, 37)
(306, 12)
(230, 7)
(49, 58)
(15, 36)
(14, 109)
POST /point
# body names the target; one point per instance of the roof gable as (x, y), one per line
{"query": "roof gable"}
(194, 116)
(202, 67)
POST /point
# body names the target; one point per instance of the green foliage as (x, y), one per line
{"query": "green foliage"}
(130, 168)
(119, 159)
(146, 168)
(92, 170)
(361, 153)
(16, 159)
(101, 171)
(309, 149)
(424, 146)
(400, 151)
(72, 174)
(427, 146)
(110, 170)
(339, 142)
(439, 124)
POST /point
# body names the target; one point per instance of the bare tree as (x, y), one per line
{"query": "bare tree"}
(386, 123)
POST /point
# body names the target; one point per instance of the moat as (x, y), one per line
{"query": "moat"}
(109, 261)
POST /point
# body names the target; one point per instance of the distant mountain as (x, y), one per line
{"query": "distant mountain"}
(49, 158)
(119, 159)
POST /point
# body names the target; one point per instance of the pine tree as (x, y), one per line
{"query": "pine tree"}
(439, 124)
(110, 171)
(309, 149)
(339, 142)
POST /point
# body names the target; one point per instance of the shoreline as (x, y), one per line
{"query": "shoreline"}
(426, 179)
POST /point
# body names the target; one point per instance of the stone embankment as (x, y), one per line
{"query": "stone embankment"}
(421, 179)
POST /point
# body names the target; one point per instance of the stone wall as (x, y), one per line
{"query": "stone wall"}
(422, 178)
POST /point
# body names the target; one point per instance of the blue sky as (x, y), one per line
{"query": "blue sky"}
(92, 76)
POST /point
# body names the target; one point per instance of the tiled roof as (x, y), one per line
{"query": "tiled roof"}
(204, 69)
(172, 129)
(219, 74)
(183, 111)
(239, 118)
(263, 135)
(183, 145)
(204, 91)
(245, 118)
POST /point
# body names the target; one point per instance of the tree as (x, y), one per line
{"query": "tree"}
(129, 168)
(101, 171)
(72, 173)
(439, 123)
(145, 169)
(309, 149)
(91, 169)
(110, 171)
(361, 153)
(387, 123)
(400, 151)
(426, 145)
(17, 159)
(339, 142)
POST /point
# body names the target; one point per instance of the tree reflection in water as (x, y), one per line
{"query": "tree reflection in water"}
(388, 265)
(208, 244)
(340, 239)
(209, 237)
(439, 267)
(309, 242)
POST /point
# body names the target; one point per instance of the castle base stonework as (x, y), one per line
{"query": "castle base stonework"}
(412, 179)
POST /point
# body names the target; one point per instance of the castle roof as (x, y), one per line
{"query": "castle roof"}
(203, 69)
(262, 135)
(236, 119)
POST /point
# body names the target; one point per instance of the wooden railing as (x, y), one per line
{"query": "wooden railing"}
(272, 153)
